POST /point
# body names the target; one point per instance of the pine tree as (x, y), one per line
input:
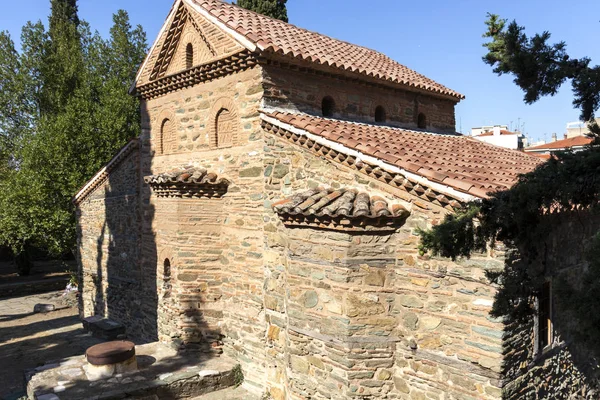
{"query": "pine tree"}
(524, 216)
(271, 8)
(540, 68)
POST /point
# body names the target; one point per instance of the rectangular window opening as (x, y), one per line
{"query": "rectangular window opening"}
(545, 316)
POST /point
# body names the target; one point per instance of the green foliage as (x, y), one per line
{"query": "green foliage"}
(70, 112)
(541, 68)
(271, 8)
(524, 219)
(456, 237)
(238, 375)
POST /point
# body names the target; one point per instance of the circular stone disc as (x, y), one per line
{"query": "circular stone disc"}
(110, 353)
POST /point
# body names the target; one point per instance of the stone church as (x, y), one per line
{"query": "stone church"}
(270, 210)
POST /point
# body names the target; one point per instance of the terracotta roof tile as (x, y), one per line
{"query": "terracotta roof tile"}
(189, 175)
(465, 164)
(347, 203)
(289, 40)
(563, 144)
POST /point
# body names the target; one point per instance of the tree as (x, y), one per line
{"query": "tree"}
(70, 99)
(271, 8)
(524, 217)
(540, 68)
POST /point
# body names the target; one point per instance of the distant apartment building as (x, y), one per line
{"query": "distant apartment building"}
(499, 135)
(578, 128)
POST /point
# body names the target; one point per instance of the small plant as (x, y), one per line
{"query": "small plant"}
(238, 375)
(266, 396)
(73, 278)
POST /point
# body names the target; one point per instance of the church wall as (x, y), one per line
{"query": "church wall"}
(108, 248)
(395, 324)
(214, 245)
(565, 369)
(357, 101)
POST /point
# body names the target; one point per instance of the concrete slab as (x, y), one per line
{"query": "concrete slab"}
(162, 372)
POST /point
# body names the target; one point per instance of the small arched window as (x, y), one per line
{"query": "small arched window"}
(167, 278)
(166, 136)
(380, 114)
(189, 56)
(167, 269)
(422, 121)
(327, 106)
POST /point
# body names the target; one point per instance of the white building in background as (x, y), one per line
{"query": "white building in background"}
(578, 128)
(499, 135)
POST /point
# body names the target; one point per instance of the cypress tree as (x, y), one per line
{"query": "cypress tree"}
(271, 8)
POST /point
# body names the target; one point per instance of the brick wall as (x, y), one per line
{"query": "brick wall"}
(304, 92)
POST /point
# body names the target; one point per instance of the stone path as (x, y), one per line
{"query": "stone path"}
(14, 308)
(28, 340)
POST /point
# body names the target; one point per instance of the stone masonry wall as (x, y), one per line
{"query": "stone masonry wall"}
(214, 245)
(564, 370)
(108, 248)
(304, 92)
(391, 324)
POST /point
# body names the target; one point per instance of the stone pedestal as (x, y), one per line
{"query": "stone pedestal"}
(106, 360)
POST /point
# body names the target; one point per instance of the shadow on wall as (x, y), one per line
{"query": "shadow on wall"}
(135, 280)
(542, 357)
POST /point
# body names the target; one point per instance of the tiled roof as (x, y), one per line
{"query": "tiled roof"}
(563, 144)
(341, 209)
(102, 175)
(459, 162)
(276, 36)
(338, 203)
(503, 132)
(189, 175)
(187, 182)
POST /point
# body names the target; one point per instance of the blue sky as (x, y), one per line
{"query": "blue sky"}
(438, 38)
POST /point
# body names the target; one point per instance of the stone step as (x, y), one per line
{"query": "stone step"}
(233, 393)
(103, 328)
(162, 374)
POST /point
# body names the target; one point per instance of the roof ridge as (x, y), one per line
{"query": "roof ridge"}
(308, 30)
(273, 35)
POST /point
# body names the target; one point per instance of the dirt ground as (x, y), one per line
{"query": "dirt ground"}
(28, 340)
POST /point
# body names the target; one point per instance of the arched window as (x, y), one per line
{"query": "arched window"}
(380, 114)
(327, 106)
(166, 278)
(167, 140)
(167, 269)
(422, 121)
(189, 56)
(224, 127)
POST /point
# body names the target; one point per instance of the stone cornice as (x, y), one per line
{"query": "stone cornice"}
(231, 64)
(190, 182)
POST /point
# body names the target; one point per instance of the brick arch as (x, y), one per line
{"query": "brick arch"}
(224, 124)
(165, 133)
(189, 39)
(166, 254)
